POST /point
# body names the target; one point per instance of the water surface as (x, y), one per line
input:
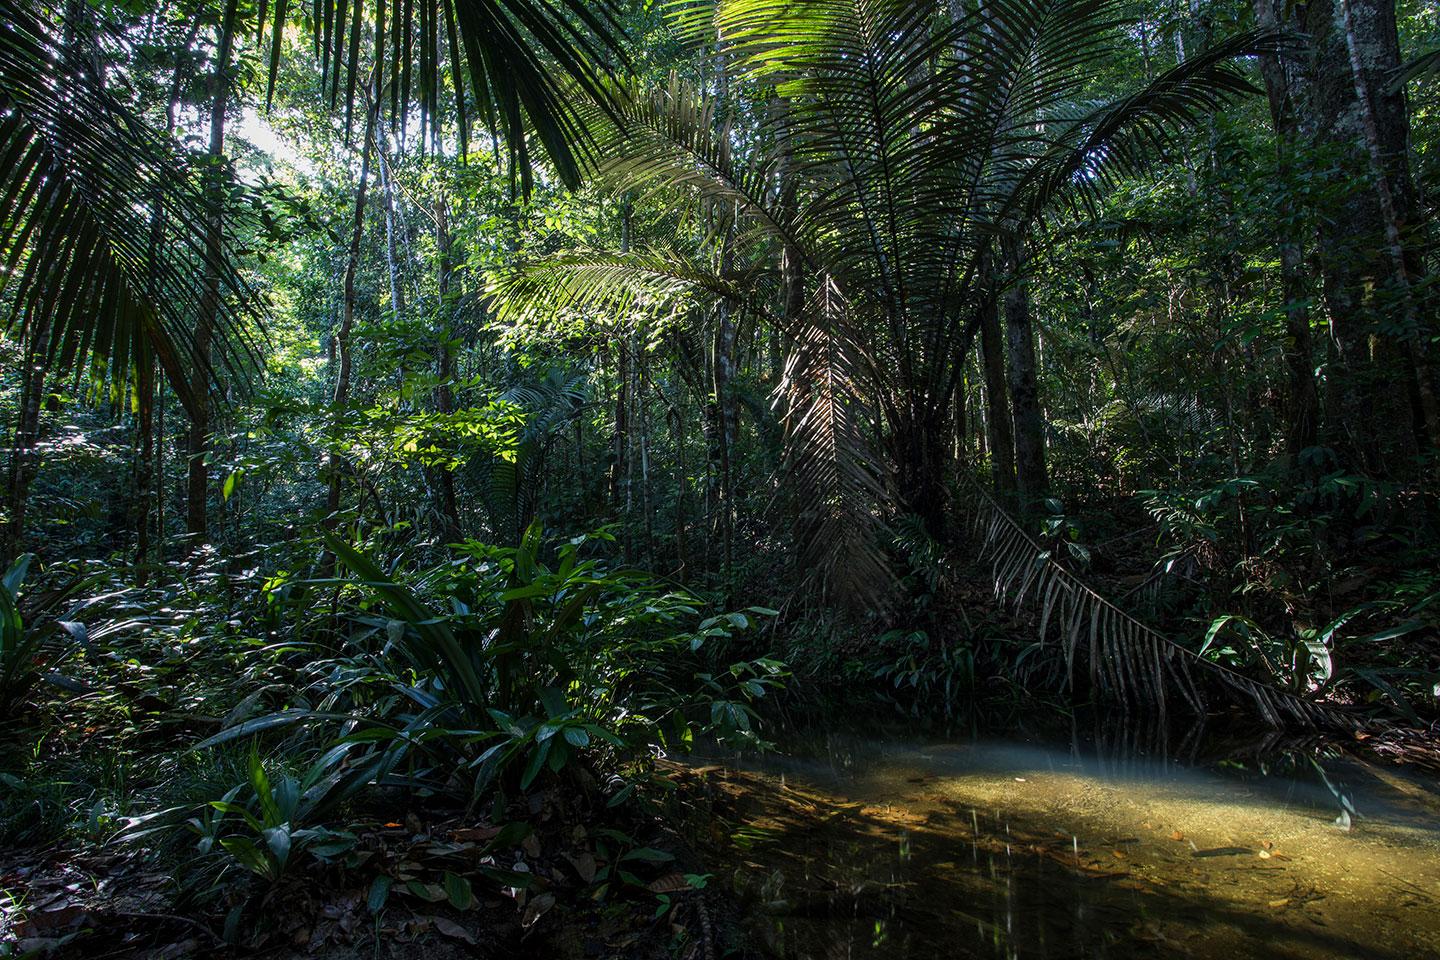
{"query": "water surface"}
(1103, 846)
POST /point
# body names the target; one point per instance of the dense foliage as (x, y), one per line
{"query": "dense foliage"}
(423, 409)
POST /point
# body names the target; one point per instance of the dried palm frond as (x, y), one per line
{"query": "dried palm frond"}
(830, 462)
(1127, 661)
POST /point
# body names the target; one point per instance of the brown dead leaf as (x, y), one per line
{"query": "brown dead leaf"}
(537, 909)
(41, 922)
(474, 833)
(584, 864)
(1177, 836)
(452, 930)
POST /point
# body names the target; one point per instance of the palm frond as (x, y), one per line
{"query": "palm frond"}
(1428, 62)
(829, 460)
(1127, 661)
(649, 283)
(1088, 150)
(515, 56)
(82, 184)
(669, 138)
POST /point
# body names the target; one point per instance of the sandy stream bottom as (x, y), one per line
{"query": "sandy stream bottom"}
(1012, 850)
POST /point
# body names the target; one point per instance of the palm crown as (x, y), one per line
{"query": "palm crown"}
(912, 145)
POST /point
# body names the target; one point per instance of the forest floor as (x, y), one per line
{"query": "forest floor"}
(101, 902)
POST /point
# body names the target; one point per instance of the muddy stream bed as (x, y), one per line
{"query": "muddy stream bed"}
(867, 844)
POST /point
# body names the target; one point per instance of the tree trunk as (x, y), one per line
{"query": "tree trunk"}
(1282, 89)
(1385, 121)
(150, 463)
(445, 365)
(24, 455)
(922, 458)
(997, 410)
(341, 397)
(726, 422)
(1363, 235)
(1030, 474)
(197, 446)
(387, 187)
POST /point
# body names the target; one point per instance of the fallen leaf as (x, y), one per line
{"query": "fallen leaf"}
(1177, 836)
(537, 909)
(1277, 904)
(584, 865)
(1119, 855)
(48, 921)
(452, 930)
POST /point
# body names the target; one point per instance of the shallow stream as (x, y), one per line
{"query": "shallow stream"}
(1108, 845)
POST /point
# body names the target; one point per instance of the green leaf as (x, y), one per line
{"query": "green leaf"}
(248, 855)
(458, 891)
(279, 841)
(648, 855)
(260, 724)
(538, 757)
(379, 892)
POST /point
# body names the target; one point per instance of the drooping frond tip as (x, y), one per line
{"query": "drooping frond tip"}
(104, 225)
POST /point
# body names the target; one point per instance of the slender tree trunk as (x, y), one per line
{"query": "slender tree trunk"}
(445, 361)
(682, 497)
(997, 410)
(197, 445)
(1030, 474)
(341, 396)
(24, 455)
(642, 410)
(149, 464)
(621, 472)
(1282, 88)
(387, 187)
(792, 272)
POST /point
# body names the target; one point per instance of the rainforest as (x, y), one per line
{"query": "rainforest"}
(701, 479)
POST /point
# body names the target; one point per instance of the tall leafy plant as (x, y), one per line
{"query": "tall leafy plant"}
(915, 145)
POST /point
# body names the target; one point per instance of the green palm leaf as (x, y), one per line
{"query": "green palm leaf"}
(82, 184)
(516, 56)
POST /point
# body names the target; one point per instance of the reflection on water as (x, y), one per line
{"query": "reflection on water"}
(1107, 847)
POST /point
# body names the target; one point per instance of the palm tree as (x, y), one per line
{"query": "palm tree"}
(83, 183)
(86, 182)
(925, 149)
